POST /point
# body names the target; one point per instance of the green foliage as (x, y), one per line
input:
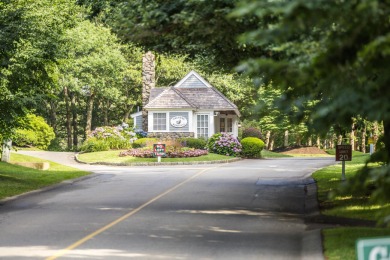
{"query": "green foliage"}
(165, 26)
(30, 37)
(112, 137)
(252, 147)
(94, 144)
(224, 143)
(197, 143)
(144, 142)
(251, 132)
(34, 132)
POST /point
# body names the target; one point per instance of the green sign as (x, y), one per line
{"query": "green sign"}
(373, 249)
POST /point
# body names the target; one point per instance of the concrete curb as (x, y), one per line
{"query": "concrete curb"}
(161, 163)
(312, 245)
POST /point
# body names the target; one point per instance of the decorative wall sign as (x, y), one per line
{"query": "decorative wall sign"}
(178, 121)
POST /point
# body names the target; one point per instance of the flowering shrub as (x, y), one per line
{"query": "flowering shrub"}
(171, 153)
(141, 134)
(115, 137)
(138, 152)
(225, 144)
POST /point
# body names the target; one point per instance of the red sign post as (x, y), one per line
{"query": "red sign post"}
(343, 153)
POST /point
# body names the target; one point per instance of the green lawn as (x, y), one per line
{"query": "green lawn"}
(16, 180)
(113, 157)
(339, 243)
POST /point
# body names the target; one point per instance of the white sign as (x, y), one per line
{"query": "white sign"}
(178, 121)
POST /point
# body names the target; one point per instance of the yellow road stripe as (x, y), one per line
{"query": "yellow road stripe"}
(97, 232)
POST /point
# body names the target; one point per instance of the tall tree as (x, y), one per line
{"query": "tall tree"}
(30, 33)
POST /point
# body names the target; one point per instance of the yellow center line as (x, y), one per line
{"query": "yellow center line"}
(108, 226)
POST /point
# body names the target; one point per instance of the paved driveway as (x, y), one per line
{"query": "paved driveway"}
(251, 209)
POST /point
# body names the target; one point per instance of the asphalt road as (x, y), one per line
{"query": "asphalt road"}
(251, 209)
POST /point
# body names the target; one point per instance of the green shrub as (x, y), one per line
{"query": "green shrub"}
(143, 142)
(251, 132)
(197, 143)
(113, 137)
(252, 147)
(34, 132)
(93, 144)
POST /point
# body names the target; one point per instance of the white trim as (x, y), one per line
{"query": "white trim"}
(134, 115)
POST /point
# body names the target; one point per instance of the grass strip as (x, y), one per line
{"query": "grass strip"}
(339, 243)
(113, 157)
(15, 180)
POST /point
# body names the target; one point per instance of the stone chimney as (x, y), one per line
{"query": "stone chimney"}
(148, 82)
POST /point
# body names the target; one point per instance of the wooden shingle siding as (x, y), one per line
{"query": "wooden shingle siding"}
(138, 122)
(192, 82)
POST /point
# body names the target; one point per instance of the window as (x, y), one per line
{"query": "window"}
(229, 125)
(159, 121)
(226, 125)
(203, 125)
(222, 125)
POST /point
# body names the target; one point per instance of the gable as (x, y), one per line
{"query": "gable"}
(192, 80)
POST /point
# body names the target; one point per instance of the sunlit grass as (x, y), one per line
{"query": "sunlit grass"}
(113, 157)
(16, 180)
(340, 243)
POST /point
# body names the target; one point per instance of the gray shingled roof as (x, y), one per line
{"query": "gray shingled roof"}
(191, 92)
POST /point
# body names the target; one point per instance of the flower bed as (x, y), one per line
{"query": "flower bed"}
(148, 153)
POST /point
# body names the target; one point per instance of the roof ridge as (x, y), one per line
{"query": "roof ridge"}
(183, 97)
(152, 101)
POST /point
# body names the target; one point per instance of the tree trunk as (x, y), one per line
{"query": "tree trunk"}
(318, 142)
(286, 138)
(376, 133)
(339, 139)
(352, 137)
(126, 114)
(299, 140)
(53, 115)
(267, 136)
(364, 132)
(309, 141)
(105, 113)
(6, 150)
(74, 120)
(88, 125)
(386, 139)
(68, 120)
(271, 143)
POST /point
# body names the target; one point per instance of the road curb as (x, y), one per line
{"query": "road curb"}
(312, 245)
(47, 188)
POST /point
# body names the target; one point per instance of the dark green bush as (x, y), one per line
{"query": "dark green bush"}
(197, 143)
(143, 142)
(93, 144)
(251, 132)
(252, 147)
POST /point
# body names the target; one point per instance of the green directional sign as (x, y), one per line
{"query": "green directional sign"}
(373, 248)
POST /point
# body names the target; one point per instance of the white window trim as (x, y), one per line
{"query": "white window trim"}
(167, 112)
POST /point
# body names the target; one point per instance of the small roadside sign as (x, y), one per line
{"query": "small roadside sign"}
(159, 149)
(344, 152)
(371, 140)
(373, 248)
